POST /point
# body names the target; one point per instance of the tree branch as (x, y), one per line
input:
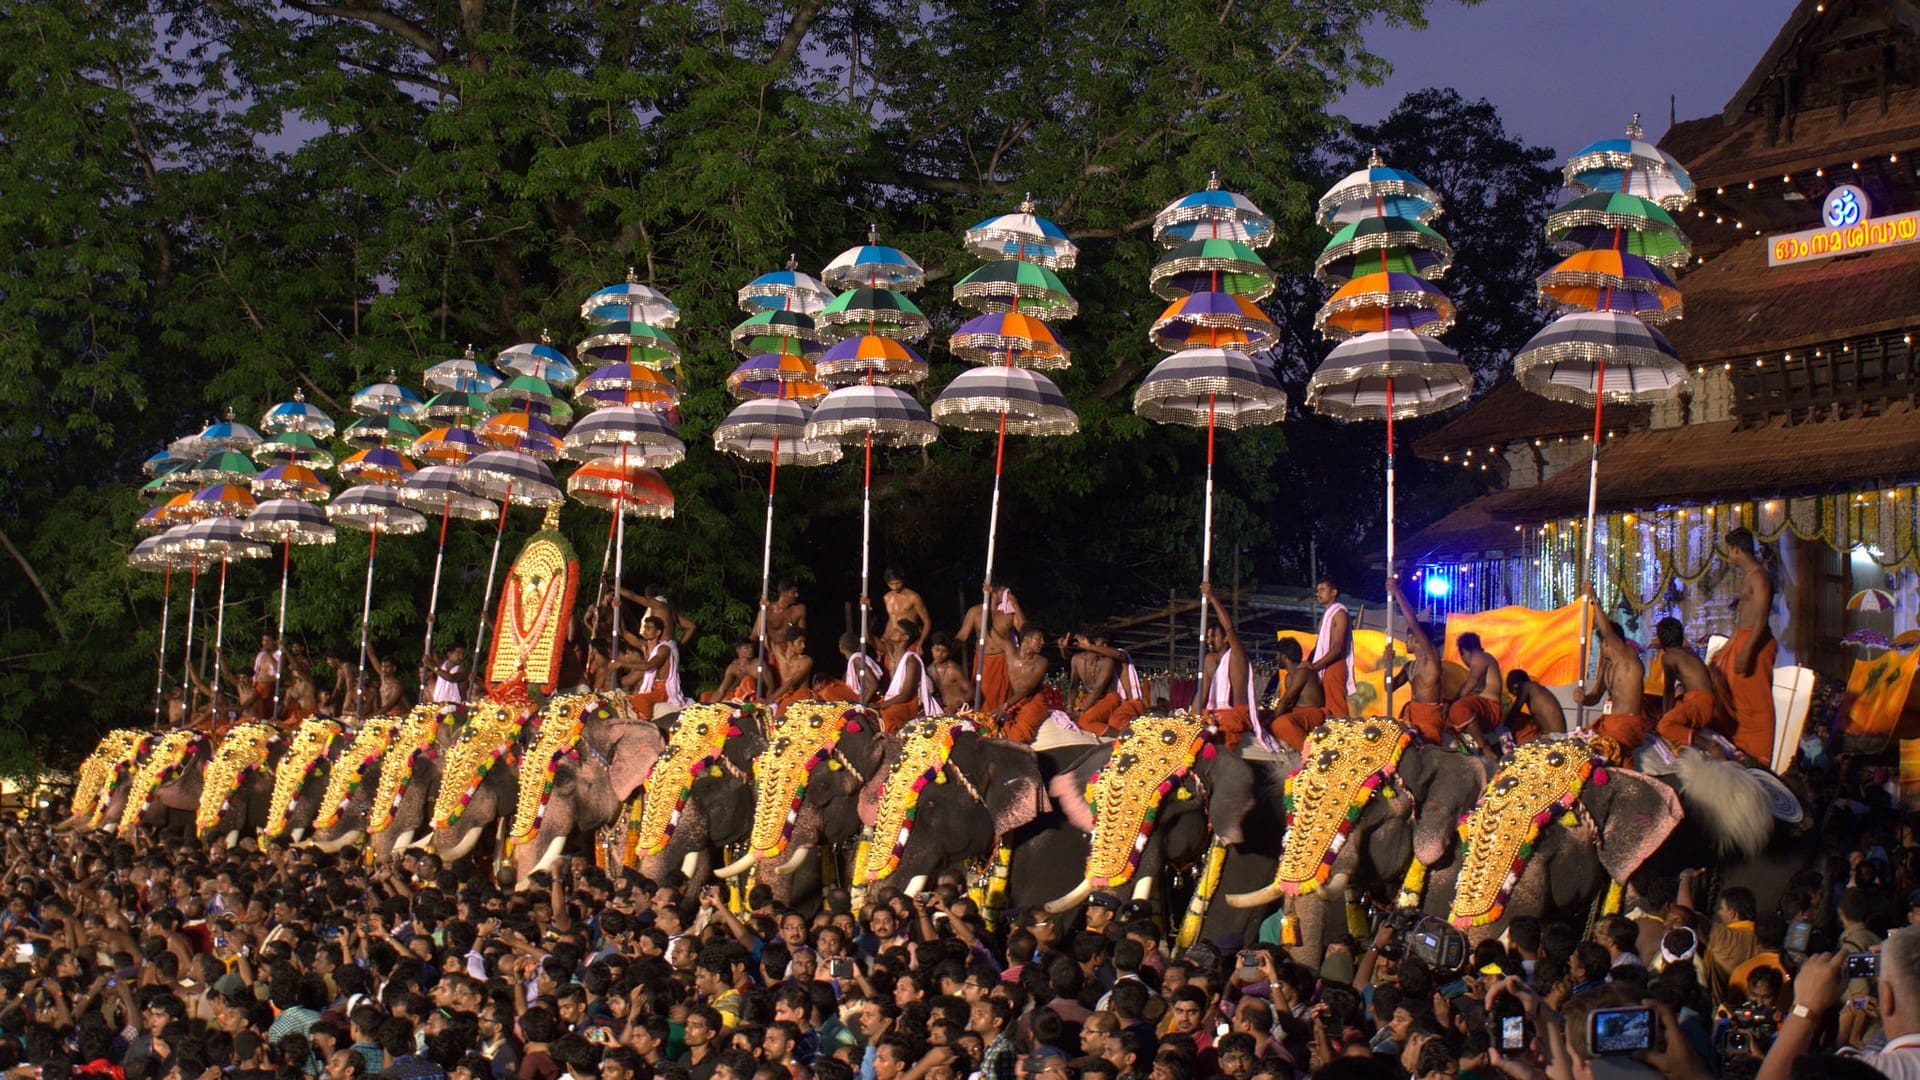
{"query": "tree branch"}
(59, 625)
(413, 33)
(437, 85)
(796, 34)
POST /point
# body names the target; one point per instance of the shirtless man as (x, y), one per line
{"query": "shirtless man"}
(1026, 678)
(1478, 706)
(1226, 678)
(266, 670)
(651, 672)
(657, 605)
(1109, 707)
(784, 612)
(1746, 663)
(909, 694)
(950, 683)
(301, 698)
(862, 678)
(990, 667)
(1333, 648)
(1535, 711)
(1303, 706)
(796, 671)
(1687, 698)
(394, 699)
(738, 681)
(904, 603)
(1426, 713)
(176, 707)
(1623, 679)
(1089, 674)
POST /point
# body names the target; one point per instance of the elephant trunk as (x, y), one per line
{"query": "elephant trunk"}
(735, 868)
(1072, 899)
(1256, 898)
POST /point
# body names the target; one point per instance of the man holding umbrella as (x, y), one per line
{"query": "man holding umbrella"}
(1226, 676)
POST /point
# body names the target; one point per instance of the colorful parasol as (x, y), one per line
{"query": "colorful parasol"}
(1377, 191)
(386, 399)
(650, 439)
(1590, 357)
(977, 399)
(1009, 338)
(627, 384)
(153, 555)
(221, 500)
(774, 331)
(1385, 302)
(1222, 387)
(290, 482)
(384, 431)
(219, 536)
(162, 462)
(1871, 600)
(221, 467)
(785, 290)
(1867, 639)
(293, 448)
(462, 375)
(460, 408)
(1013, 285)
(775, 369)
(522, 432)
(174, 479)
(446, 446)
(1647, 230)
(439, 488)
(1212, 214)
(873, 265)
(1633, 166)
(1023, 237)
(1609, 280)
(605, 485)
(874, 311)
(1370, 245)
(525, 393)
(630, 301)
(377, 466)
(871, 358)
(1227, 266)
(223, 437)
(297, 416)
(289, 522)
(538, 360)
(629, 343)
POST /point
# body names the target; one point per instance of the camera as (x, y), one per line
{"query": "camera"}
(1249, 965)
(1752, 1028)
(840, 968)
(1863, 965)
(1611, 1032)
(1438, 944)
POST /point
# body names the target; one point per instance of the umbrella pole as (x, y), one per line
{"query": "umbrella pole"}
(186, 672)
(280, 626)
(1206, 536)
(366, 612)
(1586, 564)
(160, 674)
(619, 561)
(433, 598)
(766, 574)
(986, 586)
(866, 546)
(219, 635)
(493, 564)
(1387, 681)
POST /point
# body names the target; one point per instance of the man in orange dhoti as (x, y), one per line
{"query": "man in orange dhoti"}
(1623, 681)
(737, 683)
(1478, 706)
(1333, 649)
(909, 694)
(1534, 712)
(1425, 713)
(1303, 704)
(796, 671)
(1746, 663)
(1687, 699)
(656, 661)
(1226, 677)
(1027, 673)
(1003, 624)
(1113, 696)
(862, 680)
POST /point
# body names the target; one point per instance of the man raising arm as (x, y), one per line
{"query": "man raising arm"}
(1226, 677)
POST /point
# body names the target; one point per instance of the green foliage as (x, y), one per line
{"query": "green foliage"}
(210, 203)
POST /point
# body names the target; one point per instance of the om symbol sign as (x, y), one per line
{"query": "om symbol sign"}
(1845, 205)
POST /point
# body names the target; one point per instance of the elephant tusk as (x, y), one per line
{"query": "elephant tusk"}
(1257, 898)
(735, 868)
(426, 841)
(689, 864)
(233, 839)
(299, 834)
(1142, 888)
(800, 854)
(1071, 900)
(400, 842)
(461, 847)
(549, 856)
(333, 846)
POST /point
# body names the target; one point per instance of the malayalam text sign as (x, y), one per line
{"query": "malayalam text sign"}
(1823, 243)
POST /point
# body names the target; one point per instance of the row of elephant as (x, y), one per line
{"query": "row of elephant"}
(823, 795)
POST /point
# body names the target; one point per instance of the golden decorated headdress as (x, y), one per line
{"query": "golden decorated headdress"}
(801, 739)
(369, 745)
(1343, 763)
(562, 725)
(492, 732)
(1125, 795)
(309, 746)
(1537, 783)
(110, 763)
(924, 747)
(165, 757)
(698, 741)
(238, 756)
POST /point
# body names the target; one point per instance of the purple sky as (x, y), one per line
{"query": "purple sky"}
(1536, 61)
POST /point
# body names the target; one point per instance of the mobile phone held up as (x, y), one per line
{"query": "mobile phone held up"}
(1612, 1032)
(1863, 965)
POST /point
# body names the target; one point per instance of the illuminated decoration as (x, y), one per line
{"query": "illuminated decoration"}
(536, 608)
(1343, 764)
(492, 733)
(1437, 586)
(805, 735)
(165, 759)
(1845, 206)
(102, 772)
(308, 750)
(1825, 243)
(697, 742)
(242, 753)
(1126, 795)
(1538, 783)
(369, 745)
(925, 744)
(413, 737)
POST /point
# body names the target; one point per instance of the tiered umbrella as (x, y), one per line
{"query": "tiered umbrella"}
(538, 360)
(1216, 332)
(373, 509)
(516, 480)
(386, 431)
(438, 487)
(290, 521)
(290, 482)
(171, 544)
(1386, 313)
(523, 432)
(623, 444)
(461, 375)
(224, 437)
(446, 446)
(153, 554)
(865, 411)
(785, 290)
(293, 448)
(298, 416)
(220, 535)
(375, 466)
(458, 408)
(386, 399)
(1605, 350)
(221, 467)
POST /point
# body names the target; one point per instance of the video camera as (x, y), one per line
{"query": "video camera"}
(1751, 1028)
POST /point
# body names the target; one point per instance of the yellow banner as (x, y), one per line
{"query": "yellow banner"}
(1369, 677)
(1877, 692)
(1545, 644)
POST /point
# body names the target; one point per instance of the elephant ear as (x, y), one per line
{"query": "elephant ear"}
(635, 750)
(1011, 789)
(1445, 785)
(1633, 814)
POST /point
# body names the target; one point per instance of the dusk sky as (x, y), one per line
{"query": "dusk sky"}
(1537, 61)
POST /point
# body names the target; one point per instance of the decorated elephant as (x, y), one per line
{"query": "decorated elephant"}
(301, 778)
(236, 784)
(589, 756)
(1159, 796)
(382, 783)
(163, 795)
(479, 777)
(101, 792)
(819, 756)
(698, 800)
(946, 796)
(1366, 812)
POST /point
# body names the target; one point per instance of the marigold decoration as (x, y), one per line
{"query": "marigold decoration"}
(414, 736)
(559, 734)
(802, 739)
(924, 747)
(1125, 796)
(698, 741)
(1344, 762)
(102, 772)
(238, 756)
(165, 758)
(492, 732)
(311, 741)
(1538, 783)
(369, 745)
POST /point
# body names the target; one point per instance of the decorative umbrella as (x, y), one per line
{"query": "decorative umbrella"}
(1632, 166)
(1870, 600)
(372, 509)
(290, 521)
(460, 408)
(1007, 286)
(175, 511)
(785, 290)
(297, 416)
(627, 384)
(1009, 338)
(464, 375)
(776, 331)
(221, 467)
(1860, 639)
(525, 393)
(222, 437)
(290, 482)
(874, 311)
(538, 360)
(385, 431)
(377, 466)
(438, 487)
(151, 555)
(875, 266)
(174, 479)
(1227, 266)
(293, 448)
(1212, 214)
(220, 500)
(219, 535)
(1600, 280)
(630, 343)
(871, 358)
(1386, 301)
(1023, 237)
(1212, 319)
(172, 545)
(1627, 223)
(650, 437)
(746, 380)
(1370, 244)
(446, 446)
(772, 431)
(1377, 191)
(386, 399)
(635, 491)
(162, 462)
(630, 301)
(516, 480)
(523, 432)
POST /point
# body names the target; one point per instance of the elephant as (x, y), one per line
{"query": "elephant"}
(382, 784)
(101, 794)
(945, 795)
(1167, 779)
(237, 782)
(700, 795)
(587, 759)
(164, 792)
(1408, 817)
(819, 757)
(302, 777)
(479, 777)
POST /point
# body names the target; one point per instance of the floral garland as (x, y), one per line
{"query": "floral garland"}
(492, 732)
(562, 726)
(1538, 783)
(1343, 763)
(925, 746)
(1126, 795)
(311, 741)
(368, 746)
(801, 740)
(238, 756)
(166, 757)
(697, 741)
(412, 739)
(102, 772)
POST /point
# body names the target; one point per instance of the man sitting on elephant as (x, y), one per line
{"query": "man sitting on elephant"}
(1026, 676)
(1303, 706)
(1426, 713)
(1623, 678)
(1226, 677)
(1478, 706)
(909, 694)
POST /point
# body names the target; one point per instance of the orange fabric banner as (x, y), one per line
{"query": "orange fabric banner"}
(1877, 693)
(1369, 648)
(1545, 644)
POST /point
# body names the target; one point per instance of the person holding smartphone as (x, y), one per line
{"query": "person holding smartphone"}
(1893, 971)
